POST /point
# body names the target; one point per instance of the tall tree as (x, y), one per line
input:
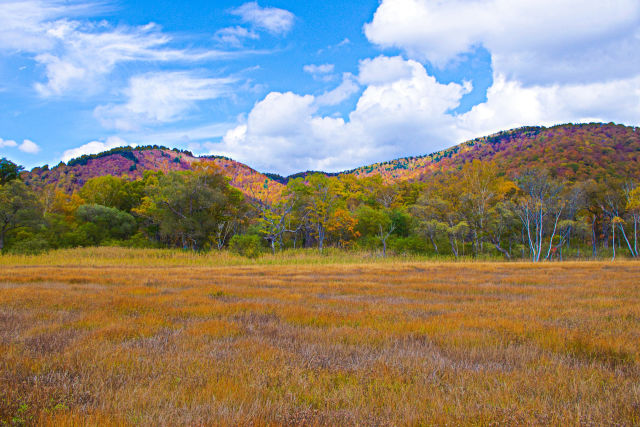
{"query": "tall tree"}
(113, 192)
(539, 208)
(19, 207)
(111, 222)
(318, 198)
(274, 220)
(632, 193)
(440, 208)
(9, 171)
(377, 222)
(188, 207)
(482, 187)
(614, 203)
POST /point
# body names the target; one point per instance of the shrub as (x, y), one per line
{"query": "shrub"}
(408, 245)
(32, 245)
(247, 245)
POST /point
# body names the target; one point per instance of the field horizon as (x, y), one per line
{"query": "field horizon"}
(369, 343)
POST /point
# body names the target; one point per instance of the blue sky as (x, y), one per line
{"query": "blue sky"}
(286, 86)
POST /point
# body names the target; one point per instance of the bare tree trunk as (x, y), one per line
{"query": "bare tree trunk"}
(633, 253)
(501, 250)
(593, 237)
(613, 240)
(434, 244)
(453, 247)
(635, 234)
(553, 233)
(320, 237)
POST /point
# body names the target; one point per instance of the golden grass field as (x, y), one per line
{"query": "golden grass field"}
(180, 339)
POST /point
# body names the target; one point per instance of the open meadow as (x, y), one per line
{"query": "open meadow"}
(116, 337)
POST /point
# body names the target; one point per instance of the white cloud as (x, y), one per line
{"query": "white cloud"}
(532, 41)
(384, 69)
(408, 113)
(6, 143)
(76, 54)
(29, 146)
(24, 23)
(160, 98)
(347, 88)
(323, 72)
(511, 104)
(95, 147)
(273, 20)
(318, 69)
(182, 137)
(284, 133)
(86, 53)
(235, 36)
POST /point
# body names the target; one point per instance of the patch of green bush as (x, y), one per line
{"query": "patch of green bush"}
(247, 245)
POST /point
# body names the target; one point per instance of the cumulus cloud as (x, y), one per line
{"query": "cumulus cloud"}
(29, 147)
(160, 98)
(6, 143)
(384, 69)
(95, 147)
(271, 19)
(532, 41)
(284, 133)
(511, 104)
(347, 88)
(405, 111)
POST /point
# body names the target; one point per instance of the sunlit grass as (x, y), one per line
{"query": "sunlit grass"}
(117, 336)
(118, 256)
(170, 257)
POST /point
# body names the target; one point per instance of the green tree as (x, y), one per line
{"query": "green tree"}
(376, 222)
(482, 188)
(633, 207)
(188, 207)
(9, 171)
(439, 209)
(111, 222)
(19, 207)
(274, 221)
(247, 245)
(317, 201)
(114, 192)
(539, 208)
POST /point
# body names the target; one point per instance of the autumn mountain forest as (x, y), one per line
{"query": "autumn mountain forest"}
(533, 193)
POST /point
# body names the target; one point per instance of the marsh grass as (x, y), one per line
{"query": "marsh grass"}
(117, 336)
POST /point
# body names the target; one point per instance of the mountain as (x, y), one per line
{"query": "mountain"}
(133, 162)
(570, 152)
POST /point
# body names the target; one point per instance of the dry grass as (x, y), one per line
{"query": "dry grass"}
(367, 344)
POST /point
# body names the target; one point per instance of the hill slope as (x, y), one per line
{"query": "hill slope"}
(571, 152)
(134, 162)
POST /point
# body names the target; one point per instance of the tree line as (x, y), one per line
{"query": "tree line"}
(471, 211)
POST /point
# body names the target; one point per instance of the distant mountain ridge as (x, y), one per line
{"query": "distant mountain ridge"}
(570, 152)
(133, 162)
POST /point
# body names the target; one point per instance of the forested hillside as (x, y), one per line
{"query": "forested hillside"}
(532, 193)
(571, 152)
(133, 162)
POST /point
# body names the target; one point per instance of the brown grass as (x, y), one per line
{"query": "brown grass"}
(362, 344)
